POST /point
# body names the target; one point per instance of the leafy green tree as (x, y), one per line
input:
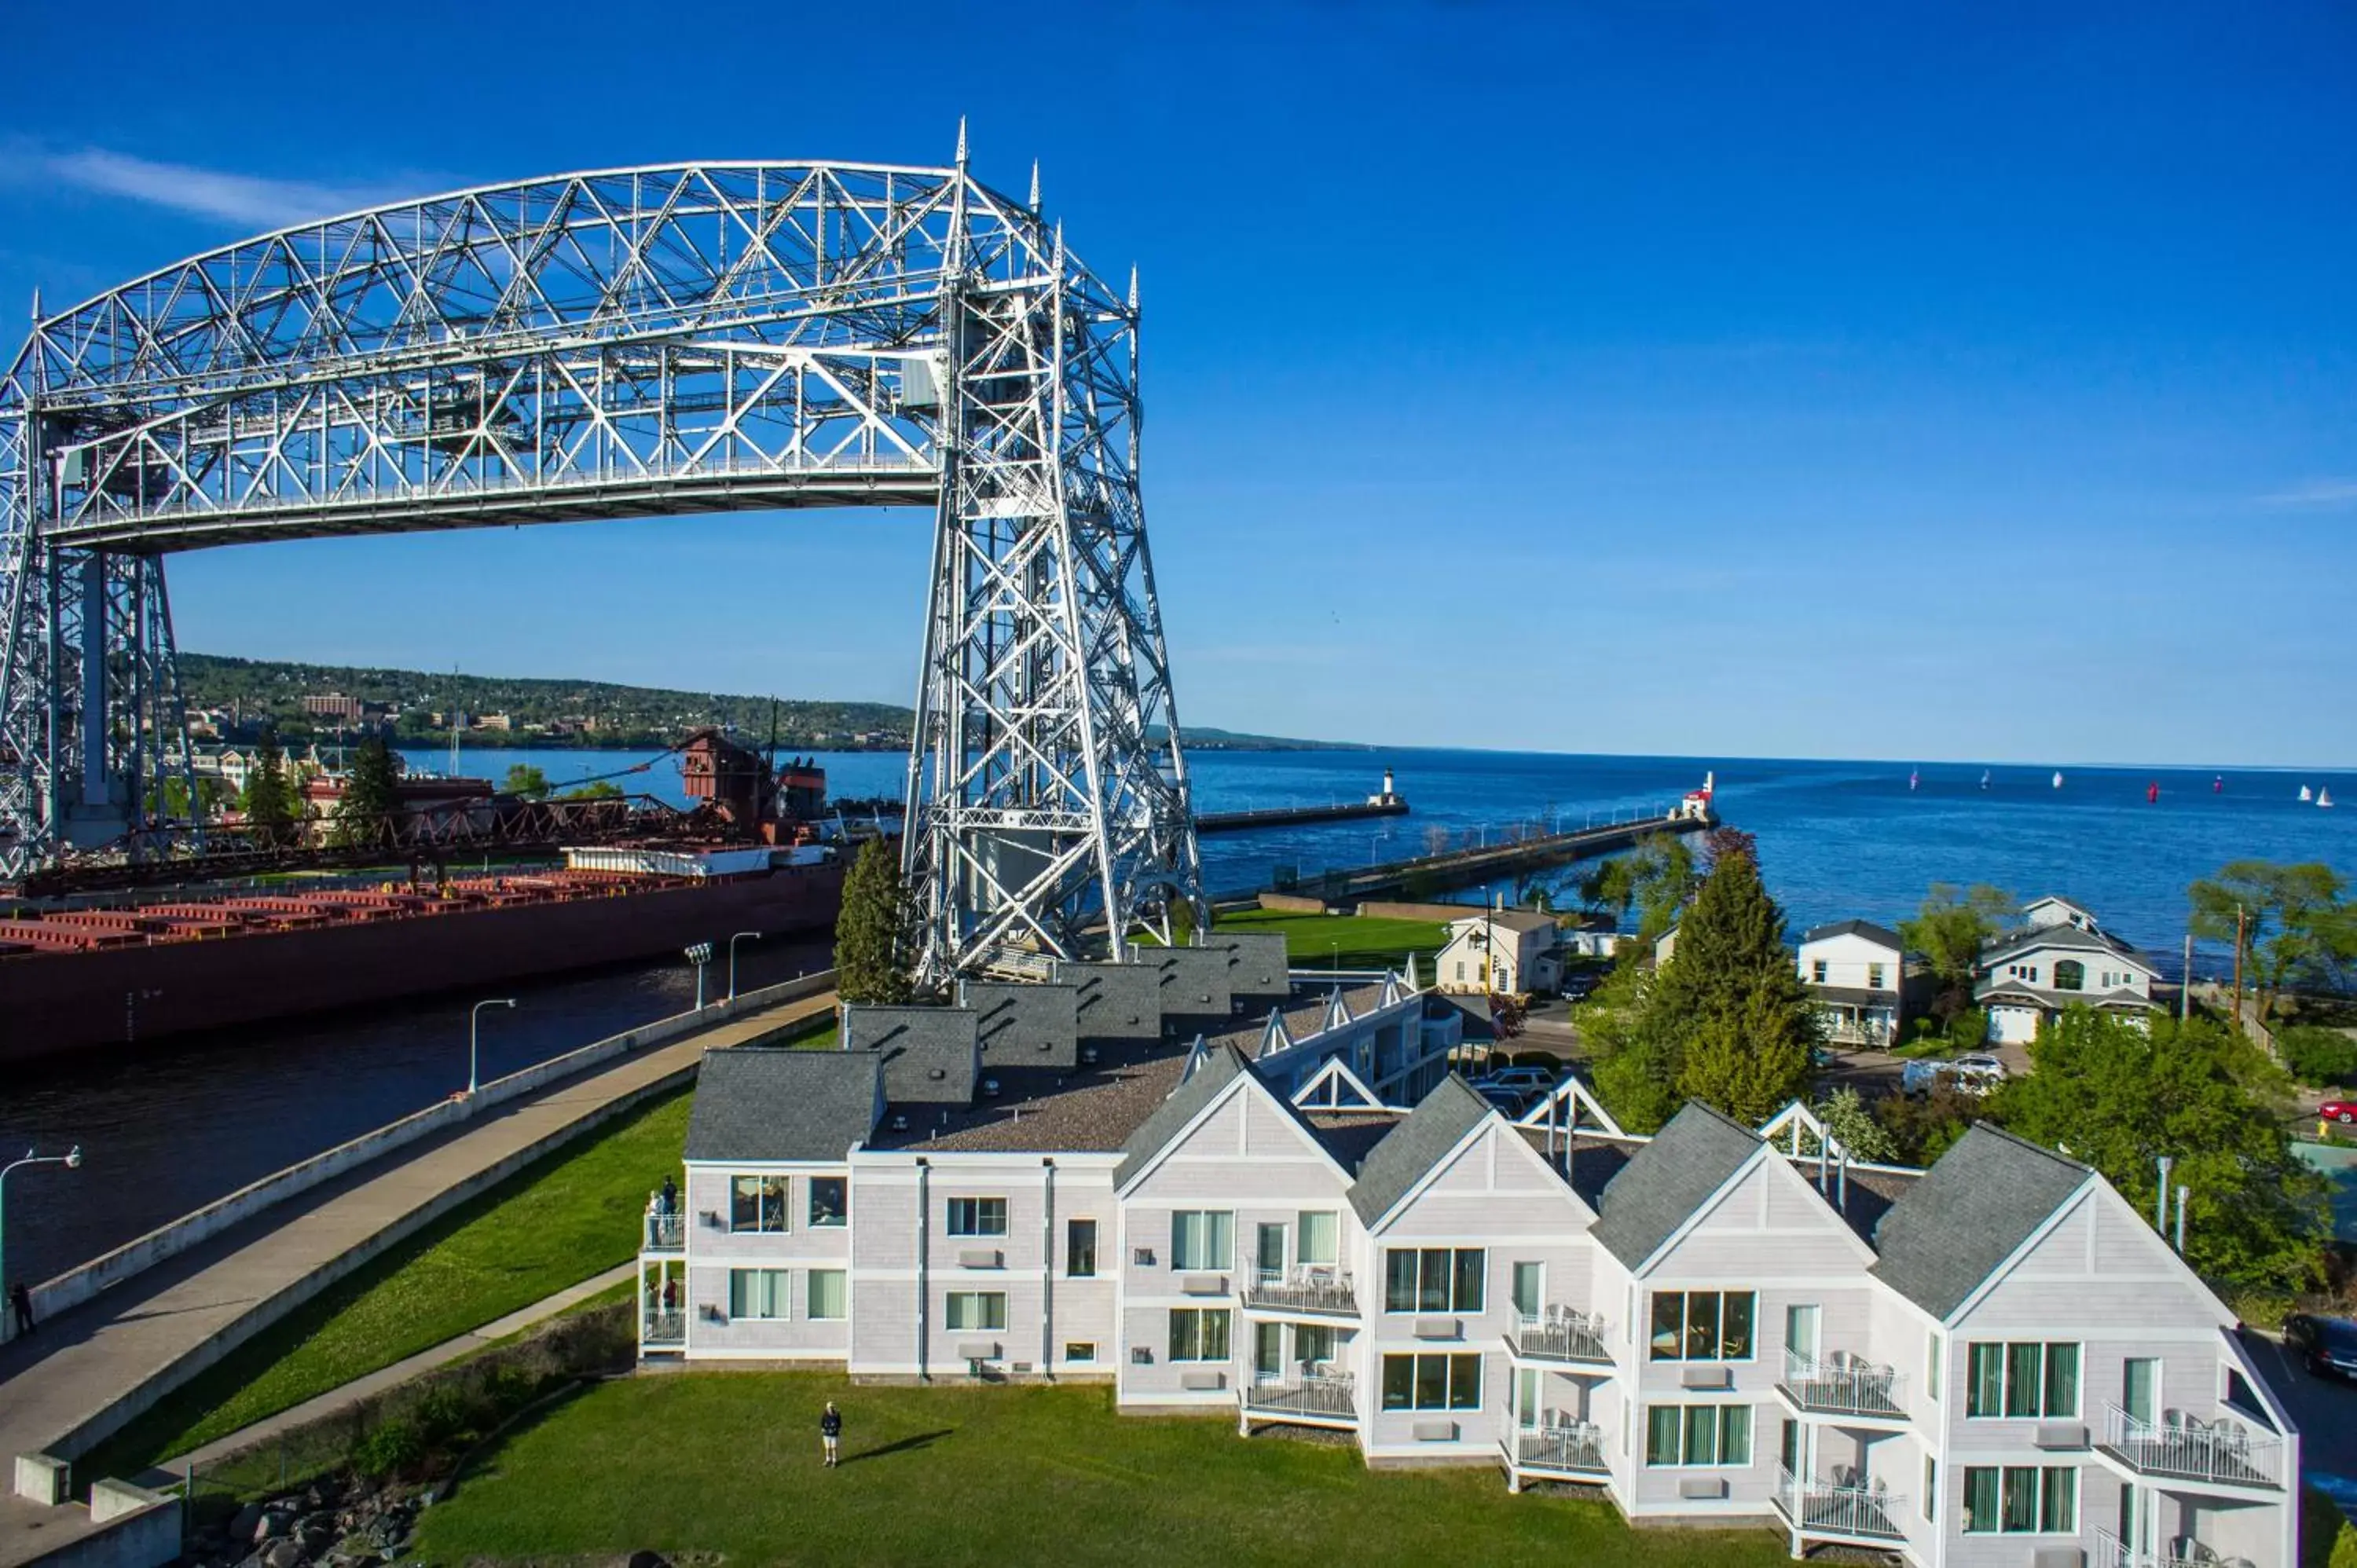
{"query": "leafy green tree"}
(1921, 1127)
(269, 798)
(1636, 1075)
(1953, 928)
(1851, 1124)
(871, 933)
(597, 790)
(527, 781)
(366, 812)
(2296, 925)
(2117, 1094)
(1655, 878)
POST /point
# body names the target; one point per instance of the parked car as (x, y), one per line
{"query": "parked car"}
(2342, 1110)
(1581, 986)
(1522, 1079)
(1510, 1102)
(2329, 1345)
(1973, 1075)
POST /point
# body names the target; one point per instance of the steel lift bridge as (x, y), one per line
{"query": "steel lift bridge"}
(681, 338)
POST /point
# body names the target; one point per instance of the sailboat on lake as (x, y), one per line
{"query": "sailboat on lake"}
(2324, 796)
(2058, 778)
(2306, 794)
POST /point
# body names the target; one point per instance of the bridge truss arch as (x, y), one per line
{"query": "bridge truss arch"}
(632, 342)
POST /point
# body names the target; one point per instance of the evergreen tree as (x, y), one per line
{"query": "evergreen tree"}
(2119, 1093)
(372, 799)
(871, 933)
(269, 800)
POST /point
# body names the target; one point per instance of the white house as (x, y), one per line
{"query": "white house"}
(1993, 1362)
(2061, 959)
(1508, 952)
(1857, 971)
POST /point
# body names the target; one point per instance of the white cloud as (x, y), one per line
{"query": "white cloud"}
(254, 200)
(2315, 494)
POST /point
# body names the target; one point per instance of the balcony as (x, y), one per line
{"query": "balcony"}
(1310, 1291)
(2111, 1552)
(1327, 1397)
(2190, 1451)
(662, 1328)
(1576, 1448)
(1562, 1335)
(1839, 1511)
(665, 1233)
(1841, 1385)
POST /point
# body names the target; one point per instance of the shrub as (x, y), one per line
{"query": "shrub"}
(393, 1447)
(2344, 1547)
(2320, 1058)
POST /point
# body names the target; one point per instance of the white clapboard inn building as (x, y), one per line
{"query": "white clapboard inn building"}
(2059, 957)
(1857, 974)
(1271, 1202)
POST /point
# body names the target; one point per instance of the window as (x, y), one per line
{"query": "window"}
(1321, 1239)
(759, 1292)
(830, 1200)
(1434, 1279)
(1199, 1334)
(973, 1309)
(1530, 1281)
(1432, 1382)
(1698, 1435)
(2140, 1388)
(1079, 1352)
(823, 1295)
(977, 1217)
(2021, 1381)
(1701, 1326)
(1313, 1347)
(757, 1203)
(1873, 977)
(2070, 974)
(1080, 1248)
(1931, 1488)
(1817, 972)
(1202, 1238)
(1460, 969)
(1526, 1396)
(2022, 1499)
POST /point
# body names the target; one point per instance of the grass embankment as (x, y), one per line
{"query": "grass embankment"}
(569, 1215)
(727, 1463)
(1344, 942)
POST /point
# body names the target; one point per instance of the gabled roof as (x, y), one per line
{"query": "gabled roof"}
(1116, 1000)
(1219, 1068)
(766, 1103)
(1970, 1211)
(1034, 1025)
(1195, 981)
(1421, 1140)
(1261, 967)
(931, 1055)
(2073, 938)
(1882, 935)
(1523, 920)
(1668, 1179)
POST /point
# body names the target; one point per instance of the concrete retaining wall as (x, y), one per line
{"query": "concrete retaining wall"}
(1292, 905)
(76, 1286)
(1382, 909)
(144, 1537)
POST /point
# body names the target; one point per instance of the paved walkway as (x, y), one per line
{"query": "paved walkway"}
(133, 1338)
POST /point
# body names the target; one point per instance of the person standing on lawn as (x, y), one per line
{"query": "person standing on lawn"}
(830, 1435)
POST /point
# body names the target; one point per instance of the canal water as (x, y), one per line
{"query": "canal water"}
(171, 1125)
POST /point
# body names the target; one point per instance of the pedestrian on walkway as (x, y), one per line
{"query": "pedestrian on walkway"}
(20, 1300)
(830, 1435)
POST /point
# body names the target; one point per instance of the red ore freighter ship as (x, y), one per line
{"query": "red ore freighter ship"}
(74, 975)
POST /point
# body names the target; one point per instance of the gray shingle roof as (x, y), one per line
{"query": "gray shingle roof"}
(1524, 921)
(1195, 981)
(1221, 1066)
(1664, 1182)
(930, 1054)
(1421, 1140)
(1866, 929)
(1261, 970)
(2070, 937)
(1116, 1000)
(1968, 1214)
(764, 1102)
(1029, 1026)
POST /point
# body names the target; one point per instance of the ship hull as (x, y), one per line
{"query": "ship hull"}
(55, 1003)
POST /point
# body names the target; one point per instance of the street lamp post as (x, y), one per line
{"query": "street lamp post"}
(732, 959)
(70, 1159)
(699, 955)
(474, 1037)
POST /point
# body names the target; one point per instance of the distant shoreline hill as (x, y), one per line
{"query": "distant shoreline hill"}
(230, 700)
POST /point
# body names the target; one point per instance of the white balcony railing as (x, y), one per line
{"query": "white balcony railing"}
(1328, 1395)
(1572, 1447)
(666, 1233)
(2184, 1552)
(1314, 1289)
(1818, 1506)
(1841, 1385)
(2183, 1447)
(1563, 1335)
(658, 1326)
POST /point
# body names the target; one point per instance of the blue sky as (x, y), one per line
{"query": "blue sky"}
(1909, 381)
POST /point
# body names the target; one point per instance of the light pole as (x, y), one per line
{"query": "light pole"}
(474, 1035)
(70, 1159)
(732, 959)
(699, 955)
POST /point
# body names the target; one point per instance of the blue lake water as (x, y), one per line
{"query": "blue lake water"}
(1837, 839)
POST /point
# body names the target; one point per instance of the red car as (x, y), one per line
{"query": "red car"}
(2342, 1110)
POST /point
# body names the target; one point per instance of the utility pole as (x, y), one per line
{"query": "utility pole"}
(2242, 925)
(2185, 990)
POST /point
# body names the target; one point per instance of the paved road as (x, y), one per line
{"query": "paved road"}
(2325, 1410)
(131, 1342)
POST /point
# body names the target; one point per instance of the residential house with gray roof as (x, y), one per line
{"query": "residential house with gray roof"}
(2060, 959)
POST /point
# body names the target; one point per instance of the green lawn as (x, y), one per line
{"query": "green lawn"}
(1350, 941)
(728, 1463)
(572, 1214)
